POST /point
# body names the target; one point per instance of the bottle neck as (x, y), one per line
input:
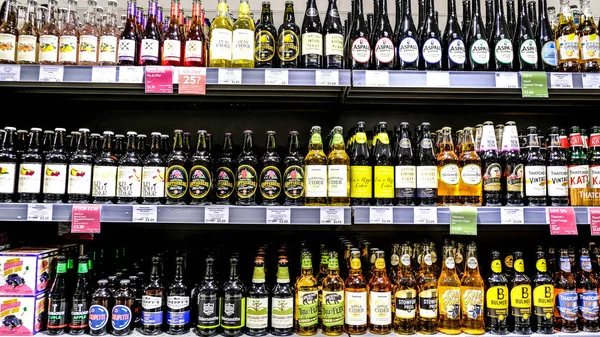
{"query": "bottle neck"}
(543, 10)
(499, 8)
(155, 146)
(452, 8)
(178, 142)
(522, 7)
(289, 14)
(91, 14)
(283, 275)
(179, 272)
(227, 147)
(477, 7)
(382, 9)
(174, 13)
(154, 272)
(293, 147)
(265, 16)
(430, 9)
(316, 143)
(82, 145)
(271, 147)
(248, 146)
(233, 274)
(208, 275)
(586, 9)
(201, 146)
(196, 11)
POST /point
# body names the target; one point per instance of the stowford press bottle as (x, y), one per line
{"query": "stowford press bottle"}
(405, 318)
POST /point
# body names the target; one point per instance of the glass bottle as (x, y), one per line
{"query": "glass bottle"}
(535, 171)
(178, 301)
(496, 298)
(288, 41)
(257, 303)
(243, 38)
(80, 304)
(246, 176)
(589, 42)
(306, 321)
(545, 39)
(88, 37)
(454, 52)
(282, 302)
(479, 49)
(109, 39)
(323, 272)
(270, 179)
(557, 176)
(172, 39)
(512, 176)
(381, 40)
(122, 312)
(577, 161)
(150, 39)
(466, 18)
(9, 32)
(177, 178)
(472, 295)
(128, 53)
(359, 51)
(567, 40)
(489, 17)
(195, 43)
(511, 20)
(532, 15)
(293, 176)
(405, 295)
(406, 40)
(129, 173)
(333, 298)
(405, 170)
(265, 40)
(30, 169)
(383, 180)
(208, 302)
(491, 165)
(427, 295)
(234, 302)
(315, 168)
(429, 41)
(520, 297)
(355, 294)
(361, 171)
(524, 40)
(200, 185)
(153, 301)
(80, 171)
(427, 176)
(27, 46)
(55, 169)
(57, 299)
(449, 295)
(100, 307)
(543, 295)
(69, 37)
(469, 167)
(153, 173)
(380, 298)
(447, 171)
(338, 170)
(333, 35)
(225, 178)
(587, 291)
(501, 40)
(104, 181)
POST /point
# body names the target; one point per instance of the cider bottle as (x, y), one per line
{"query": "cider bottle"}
(323, 265)
(454, 51)
(242, 49)
(557, 175)
(333, 299)
(150, 51)
(355, 321)
(282, 301)
(128, 52)
(477, 42)
(246, 176)
(429, 41)
(501, 41)
(381, 39)
(265, 36)
(512, 175)
(383, 180)
(524, 41)
(69, 37)
(577, 161)
(48, 51)
(469, 166)
(201, 172)
(221, 36)
(587, 293)
(224, 176)
(472, 295)
(535, 171)
(315, 168)
(449, 287)
(520, 296)
(565, 294)
(588, 41)
(307, 296)
(427, 176)
(27, 46)
(405, 294)
(9, 32)
(490, 164)
(405, 179)
(496, 298)
(88, 37)
(333, 57)
(172, 39)
(380, 298)
(257, 303)
(338, 169)
(428, 296)
(546, 43)
(55, 170)
(543, 295)
(567, 40)
(447, 169)
(288, 45)
(361, 171)
(195, 43)
(176, 177)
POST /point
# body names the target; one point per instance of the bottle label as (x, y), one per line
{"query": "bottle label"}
(491, 178)
(504, 51)
(406, 303)
(246, 181)
(149, 50)
(568, 47)
(208, 311)
(26, 48)
(68, 49)
(98, 317)
(333, 308)
(126, 50)
(337, 181)
(384, 182)
(30, 178)
(294, 182)
(406, 181)
(312, 44)
(176, 315)
(427, 181)
(549, 54)
(129, 181)
(108, 49)
(520, 301)
(220, 44)
(480, 52)
(450, 263)
(177, 182)
(361, 50)
(457, 52)
(193, 51)
(334, 44)
(172, 50)
(540, 265)
(200, 182)
(595, 176)
(225, 182)
(529, 52)
(48, 48)
(384, 50)
(497, 302)
(362, 181)
(514, 182)
(153, 182)
(470, 174)
(408, 50)
(257, 313)
(449, 174)
(243, 45)
(270, 182)
(57, 315)
(88, 48)
(80, 179)
(590, 47)
(579, 176)
(535, 181)
(405, 259)
(104, 181)
(308, 311)
(450, 302)
(178, 302)
(588, 304)
(289, 46)
(282, 313)
(356, 308)
(79, 314)
(428, 303)
(154, 303)
(543, 300)
(558, 181)
(121, 317)
(380, 311)
(565, 264)
(264, 46)
(472, 303)
(432, 50)
(585, 263)
(55, 178)
(233, 315)
(566, 304)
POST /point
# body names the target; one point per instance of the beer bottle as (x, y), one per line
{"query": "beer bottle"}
(381, 40)
(361, 171)
(79, 302)
(427, 177)
(338, 170)
(511, 20)
(221, 37)
(406, 40)
(567, 40)
(454, 53)
(333, 298)
(501, 40)
(512, 176)
(557, 175)
(520, 296)
(129, 173)
(405, 319)
(429, 41)
(579, 169)
(153, 173)
(587, 291)
(150, 51)
(201, 172)
(589, 44)
(234, 302)
(524, 40)
(57, 298)
(565, 286)
(428, 295)
(178, 302)
(128, 53)
(122, 313)
(293, 176)
(447, 171)
(472, 295)
(359, 50)
(380, 298)
(243, 38)
(469, 167)
(543, 295)
(312, 38)
(176, 184)
(490, 163)
(153, 301)
(100, 306)
(496, 298)
(265, 40)
(288, 44)
(405, 170)
(246, 176)
(449, 295)
(224, 176)
(489, 17)
(535, 171)
(466, 17)
(282, 302)
(546, 43)
(30, 170)
(383, 170)
(208, 302)
(55, 170)
(334, 39)
(257, 304)
(356, 297)
(477, 42)
(172, 39)
(270, 176)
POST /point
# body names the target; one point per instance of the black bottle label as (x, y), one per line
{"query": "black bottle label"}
(57, 313)
(177, 182)
(225, 182)
(208, 311)
(121, 317)
(265, 46)
(79, 314)
(234, 314)
(98, 317)
(294, 182)
(246, 181)
(270, 182)
(200, 182)
(289, 45)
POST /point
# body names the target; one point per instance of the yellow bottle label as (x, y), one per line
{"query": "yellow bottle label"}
(362, 181)
(383, 138)
(497, 299)
(472, 302)
(384, 181)
(380, 263)
(496, 266)
(355, 264)
(543, 300)
(450, 302)
(541, 265)
(360, 137)
(520, 266)
(520, 301)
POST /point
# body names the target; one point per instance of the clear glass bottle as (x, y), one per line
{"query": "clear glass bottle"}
(427, 295)
(221, 38)
(333, 298)
(69, 37)
(567, 40)
(172, 39)
(405, 295)
(88, 37)
(48, 51)
(306, 321)
(449, 286)
(472, 295)
(589, 42)
(338, 170)
(469, 167)
(243, 38)
(28, 44)
(315, 168)
(448, 172)
(9, 33)
(109, 37)
(55, 169)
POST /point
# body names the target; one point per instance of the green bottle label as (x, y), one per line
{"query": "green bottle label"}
(259, 275)
(333, 264)
(337, 139)
(306, 263)
(70, 264)
(316, 138)
(90, 266)
(283, 275)
(82, 268)
(324, 259)
(333, 308)
(61, 268)
(308, 308)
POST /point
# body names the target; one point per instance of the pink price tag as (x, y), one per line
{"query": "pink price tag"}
(192, 81)
(562, 220)
(85, 219)
(159, 80)
(594, 214)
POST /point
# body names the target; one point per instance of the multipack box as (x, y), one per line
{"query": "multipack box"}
(22, 315)
(26, 271)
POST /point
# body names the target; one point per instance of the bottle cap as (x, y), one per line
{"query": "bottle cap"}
(155, 134)
(60, 129)
(36, 129)
(84, 130)
(131, 133)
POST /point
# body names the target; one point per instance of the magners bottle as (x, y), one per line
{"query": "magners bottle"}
(447, 171)
(587, 292)
(333, 299)
(497, 298)
(246, 176)
(543, 295)
(472, 295)
(405, 319)
(565, 294)
(428, 295)
(380, 298)
(307, 299)
(449, 287)
(361, 171)
(356, 297)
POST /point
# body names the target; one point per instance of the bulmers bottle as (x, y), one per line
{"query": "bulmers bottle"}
(312, 38)
(176, 177)
(225, 181)
(454, 52)
(288, 42)
(246, 176)
(535, 171)
(361, 171)
(496, 298)
(557, 176)
(543, 295)
(521, 296)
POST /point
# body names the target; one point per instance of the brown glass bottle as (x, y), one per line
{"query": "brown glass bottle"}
(448, 172)
(380, 298)
(246, 176)
(176, 177)
(270, 179)
(201, 179)
(55, 169)
(225, 181)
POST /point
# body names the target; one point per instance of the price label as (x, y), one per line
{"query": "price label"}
(561, 220)
(534, 84)
(381, 215)
(85, 219)
(438, 79)
(131, 74)
(377, 78)
(10, 73)
(279, 215)
(327, 77)
(104, 74)
(216, 214)
(463, 220)
(512, 215)
(332, 216)
(276, 77)
(192, 81)
(39, 212)
(590, 81)
(51, 73)
(144, 213)
(425, 215)
(594, 220)
(507, 80)
(229, 76)
(561, 81)
(159, 80)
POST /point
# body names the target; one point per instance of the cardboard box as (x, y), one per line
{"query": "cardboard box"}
(22, 315)
(26, 271)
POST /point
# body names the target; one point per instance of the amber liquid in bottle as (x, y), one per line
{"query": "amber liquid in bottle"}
(405, 320)
(356, 297)
(588, 41)
(567, 40)
(333, 299)
(315, 169)
(448, 173)
(338, 171)
(449, 287)
(428, 295)
(380, 298)
(472, 295)
(469, 166)
(306, 321)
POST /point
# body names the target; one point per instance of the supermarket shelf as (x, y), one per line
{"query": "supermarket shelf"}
(560, 334)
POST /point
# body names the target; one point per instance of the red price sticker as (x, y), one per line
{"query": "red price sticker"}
(192, 81)
(594, 217)
(562, 220)
(159, 80)
(85, 219)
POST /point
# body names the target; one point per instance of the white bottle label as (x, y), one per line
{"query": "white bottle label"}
(480, 52)
(149, 50)
(356, 308)
(432, 50)
(408, 50)
(9, 47)
(535, 181)
(243, 45)
(30, 178)
(384, 50)
(312, 43)
(7, 177)
(590, 47)
(471, 174)
(177, 302)
(104, 182)
(220, 44)
(126, 50)
(282, 313)
(449, 174)
(334, 44)
(80, 179)
(55, 178)
(48, 48)
(88, 48)
(361, 50)
(108, 49)
(457, 52)
(68, 49)
(153, 182)
(316, 180)
(529, 52)
(257, 313)
(568, 47)
(172, 50)
(151, 302)
(380, 307)
(427, 177)
(337, 180)
(595, 176)
(406, 176)
(504, 51)
(129, 181)
(193, 50)
(558, 181)
(579, 176)
(549, 54)
(26, 48)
